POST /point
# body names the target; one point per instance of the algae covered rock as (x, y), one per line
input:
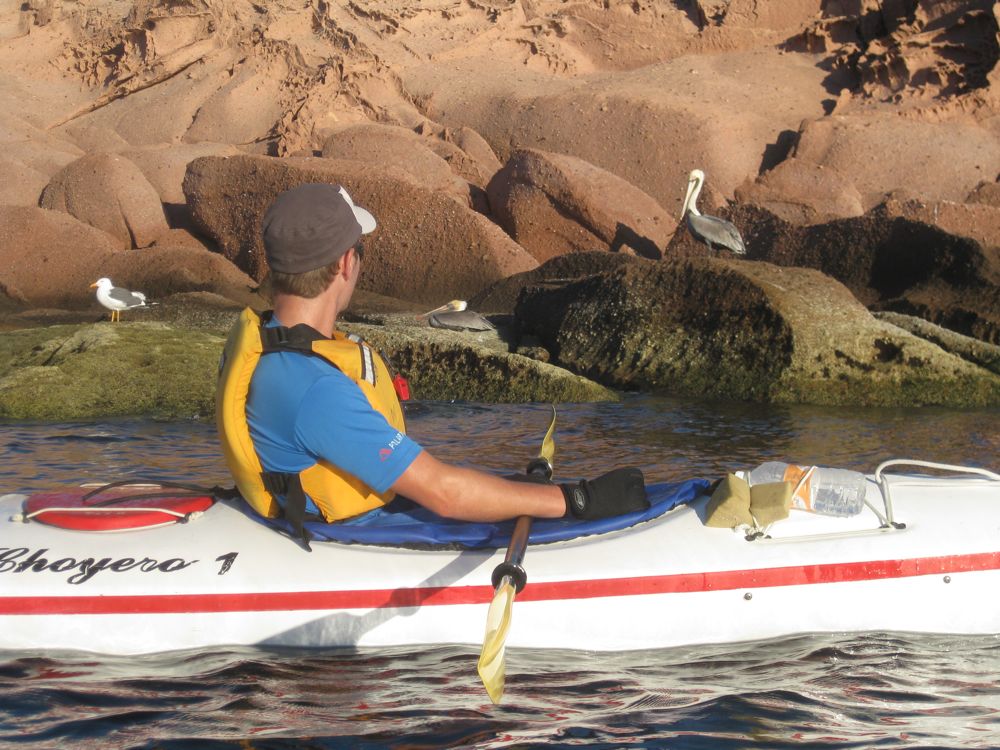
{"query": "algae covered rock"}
(168, 370)
(108, 370)
(744, 330)
(446, 365)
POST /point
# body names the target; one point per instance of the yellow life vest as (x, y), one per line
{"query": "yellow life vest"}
(336, 493)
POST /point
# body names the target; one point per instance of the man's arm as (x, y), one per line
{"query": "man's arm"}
(470, 495)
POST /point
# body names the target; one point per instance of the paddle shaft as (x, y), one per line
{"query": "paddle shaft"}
(511, 566)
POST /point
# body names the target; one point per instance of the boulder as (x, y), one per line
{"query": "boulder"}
(934, 160)
(108, 192)
(501, 296)
(48, 258)
(973, 350)
(889, 261)
(390, 145)
(428, 248)
(802, 193)
(46, 156)
(987, 193)
(448, 365)
(977, 221)
(475, 147)
(163, 270)
(735, 329)
(727, 113)
(20, 185)
(164, 165)
(553, 204)
(246, 110)
(63, 372)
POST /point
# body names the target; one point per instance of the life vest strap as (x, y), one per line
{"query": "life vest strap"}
(290, 487)
(298, 338)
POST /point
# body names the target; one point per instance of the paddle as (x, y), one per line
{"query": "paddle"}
(508, 579)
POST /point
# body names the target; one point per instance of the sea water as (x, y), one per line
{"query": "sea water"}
(837, 690)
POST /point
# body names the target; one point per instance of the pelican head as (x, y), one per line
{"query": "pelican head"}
(695, 180)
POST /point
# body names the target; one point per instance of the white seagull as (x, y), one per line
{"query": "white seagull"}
(709, 229)
(117, 299)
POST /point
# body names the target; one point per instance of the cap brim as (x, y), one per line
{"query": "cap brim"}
(365, 219)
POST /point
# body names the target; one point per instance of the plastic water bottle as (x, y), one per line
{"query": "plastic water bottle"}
(832, 492)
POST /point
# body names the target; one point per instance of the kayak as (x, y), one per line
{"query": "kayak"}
(200, 571)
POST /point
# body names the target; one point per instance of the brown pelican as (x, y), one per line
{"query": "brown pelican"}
(117, 299)
(709, 229)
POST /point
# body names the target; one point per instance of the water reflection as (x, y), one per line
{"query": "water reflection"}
(668, 438)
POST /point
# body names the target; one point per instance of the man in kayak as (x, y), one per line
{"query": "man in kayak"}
(320, 412)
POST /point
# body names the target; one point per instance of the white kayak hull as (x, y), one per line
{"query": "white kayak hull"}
(224, 579)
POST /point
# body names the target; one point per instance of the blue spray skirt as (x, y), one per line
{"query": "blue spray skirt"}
(403, 523)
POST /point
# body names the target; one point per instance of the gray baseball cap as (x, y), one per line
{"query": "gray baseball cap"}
(311, 226)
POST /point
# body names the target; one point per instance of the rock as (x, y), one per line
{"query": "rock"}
(164, 270)
(921, 49)
(733, 329)
(889, 262)
(390, 145)
(110, 193)
(168, 370)
(977, 221)
(428, 248)
(246, 109)
(934, 160)
(803, 193)
(448, 365)
(20, 185)
(475, 147)
(553, 204)
(108, 370)
(48, 258)
(985, 193)
(973, 350)
(501, 297)
(725, 113)
(164, 165)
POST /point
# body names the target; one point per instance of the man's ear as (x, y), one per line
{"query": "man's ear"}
(348, 264)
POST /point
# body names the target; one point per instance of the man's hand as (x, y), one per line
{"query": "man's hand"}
(613, 494)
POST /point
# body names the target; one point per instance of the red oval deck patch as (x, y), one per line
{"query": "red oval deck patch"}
(116, 509)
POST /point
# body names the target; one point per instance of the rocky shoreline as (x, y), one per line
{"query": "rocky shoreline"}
(532, 161)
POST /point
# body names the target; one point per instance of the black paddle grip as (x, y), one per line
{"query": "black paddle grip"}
(540, 466)
(517, 575)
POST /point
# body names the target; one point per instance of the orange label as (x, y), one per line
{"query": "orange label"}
(794, 475)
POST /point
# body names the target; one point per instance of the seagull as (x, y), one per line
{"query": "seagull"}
(117, 299)
(709, 229)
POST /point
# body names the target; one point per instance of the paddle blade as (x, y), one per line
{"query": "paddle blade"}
(492, 666)
(548, 451)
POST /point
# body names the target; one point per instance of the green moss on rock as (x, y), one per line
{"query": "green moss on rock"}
(108, 370)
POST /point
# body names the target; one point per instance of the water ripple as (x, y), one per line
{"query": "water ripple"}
(860, 691)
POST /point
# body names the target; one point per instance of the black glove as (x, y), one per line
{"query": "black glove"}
(527, 478)
(613, 494)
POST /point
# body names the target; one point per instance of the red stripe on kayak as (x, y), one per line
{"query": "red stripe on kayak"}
(555, 591)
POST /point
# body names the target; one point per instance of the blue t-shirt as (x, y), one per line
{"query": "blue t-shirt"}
(301, 409)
